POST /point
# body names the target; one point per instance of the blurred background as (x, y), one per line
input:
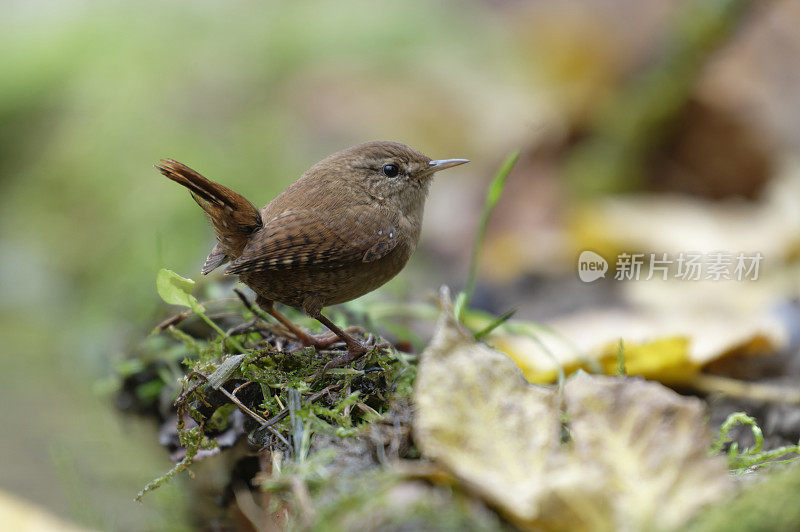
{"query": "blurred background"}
(644, 126)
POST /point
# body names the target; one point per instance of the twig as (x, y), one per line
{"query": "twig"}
(236, 390)
(245, 328)
(261, 420)
(223, 314)
(276, 418)
(173, 320)
(328, 389)
(202, 379)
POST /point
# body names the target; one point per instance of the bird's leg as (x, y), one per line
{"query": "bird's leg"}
(355, 349)
(321, 341)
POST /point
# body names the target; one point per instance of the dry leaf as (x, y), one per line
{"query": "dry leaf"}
(636, 457)
(671, 348)
(651, 447)
(468, 394)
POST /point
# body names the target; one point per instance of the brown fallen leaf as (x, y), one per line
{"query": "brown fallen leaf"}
(636, 456)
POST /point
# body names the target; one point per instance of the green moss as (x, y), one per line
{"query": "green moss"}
(278, 390)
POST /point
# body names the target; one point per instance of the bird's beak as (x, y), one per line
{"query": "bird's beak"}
(442, 164)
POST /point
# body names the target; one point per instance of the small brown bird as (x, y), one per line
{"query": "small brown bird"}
(348, 225)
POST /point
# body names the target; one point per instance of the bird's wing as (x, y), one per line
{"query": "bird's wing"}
(308, 238)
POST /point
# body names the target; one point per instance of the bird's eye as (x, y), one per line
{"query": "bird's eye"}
(390, 170)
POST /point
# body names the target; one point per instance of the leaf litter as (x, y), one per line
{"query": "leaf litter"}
(602, 453)
(385, 442)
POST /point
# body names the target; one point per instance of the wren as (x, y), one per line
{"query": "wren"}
(345, 227)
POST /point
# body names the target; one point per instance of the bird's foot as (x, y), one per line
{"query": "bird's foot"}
(322, 341)
(355, 350)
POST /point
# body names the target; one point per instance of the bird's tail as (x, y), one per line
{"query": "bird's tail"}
(233, 217)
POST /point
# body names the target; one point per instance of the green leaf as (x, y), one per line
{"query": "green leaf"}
(177, 290)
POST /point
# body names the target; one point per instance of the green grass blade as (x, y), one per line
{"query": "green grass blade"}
(492, 197)
(495, 324)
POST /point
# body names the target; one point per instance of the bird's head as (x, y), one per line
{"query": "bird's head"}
(389, 173)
